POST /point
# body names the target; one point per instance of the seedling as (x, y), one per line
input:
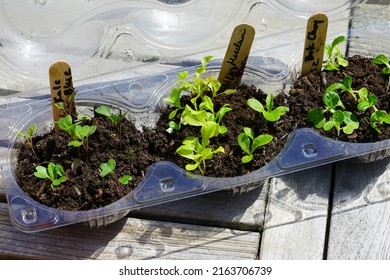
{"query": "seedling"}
(77, 132)
(108, 168)
(205, 114)
(28, 137)
(383, 60)
(115, 118)
(338, 118)
(66, 106)
(249, 143)
(335, 58)
(346, 86)
(379, 117)
(366, 101)
(269, 114)
(198, 150)
(196, 88)
(53, 172)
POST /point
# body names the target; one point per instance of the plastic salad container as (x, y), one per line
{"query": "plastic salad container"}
(165, 181)
(99, 37)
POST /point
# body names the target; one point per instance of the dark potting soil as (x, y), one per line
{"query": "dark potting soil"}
(134, 151)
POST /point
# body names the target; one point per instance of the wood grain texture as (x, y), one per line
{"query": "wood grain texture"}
(360, 222)
(128, 239)
(245, 211)
(296, 216)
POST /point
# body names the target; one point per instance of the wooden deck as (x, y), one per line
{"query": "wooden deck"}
(338, 211)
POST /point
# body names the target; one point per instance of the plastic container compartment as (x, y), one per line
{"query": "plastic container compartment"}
(164, 181)
(99, 37)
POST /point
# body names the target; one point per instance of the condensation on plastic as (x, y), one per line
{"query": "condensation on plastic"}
(103, 36)
(273, 68)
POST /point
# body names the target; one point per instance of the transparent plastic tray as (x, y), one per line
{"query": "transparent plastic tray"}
(164, 181)
(103, 36)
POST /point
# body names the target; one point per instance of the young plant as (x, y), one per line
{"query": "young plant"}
(335, 58)
(346, 86)
(54, 172)
(198, 150)
(28, 137)
(108, 168)
(366, 101)
(249, 143)
(382, 59)
(205, 114)
(116, 119)
(379, 117)
(338, 118)
(77, 132)
(197, 87)
(64, 106)
(268, 112)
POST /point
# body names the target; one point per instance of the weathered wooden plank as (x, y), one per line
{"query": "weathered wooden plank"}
(296, 216)
(245, 211)
(128, 239)
(360, 222)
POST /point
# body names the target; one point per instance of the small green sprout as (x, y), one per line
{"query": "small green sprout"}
(77, 132)
(205, 114)
(115, 118)
(108, 168)
(346, 86)
(366, 101)
(382, 59)
(64, 106)
(249, 143)
(335, 58)
(197, 87)
(53, 172)
(332, 102)
(338, 119)
(269, 114)
(379, 117)
(28, 137)
(198, 150)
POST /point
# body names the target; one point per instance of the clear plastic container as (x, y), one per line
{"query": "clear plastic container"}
(99, 37)
(272, 66)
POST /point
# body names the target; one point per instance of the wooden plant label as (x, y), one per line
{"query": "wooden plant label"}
(313, 54)
(61, 87)
(236, 56)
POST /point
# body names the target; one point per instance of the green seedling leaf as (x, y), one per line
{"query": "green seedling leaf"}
(124, 180)
(382, 59)
(332, 100)
(268, 113)
(335, 58)
(28, 137)
(249, 143)
(317, 117)
(41, 172)
(54, 172)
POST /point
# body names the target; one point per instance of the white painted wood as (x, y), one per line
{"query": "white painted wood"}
(296, 216)
(128, 239)
(360, 223)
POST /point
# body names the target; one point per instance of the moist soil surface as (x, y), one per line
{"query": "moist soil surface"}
(134, 150)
